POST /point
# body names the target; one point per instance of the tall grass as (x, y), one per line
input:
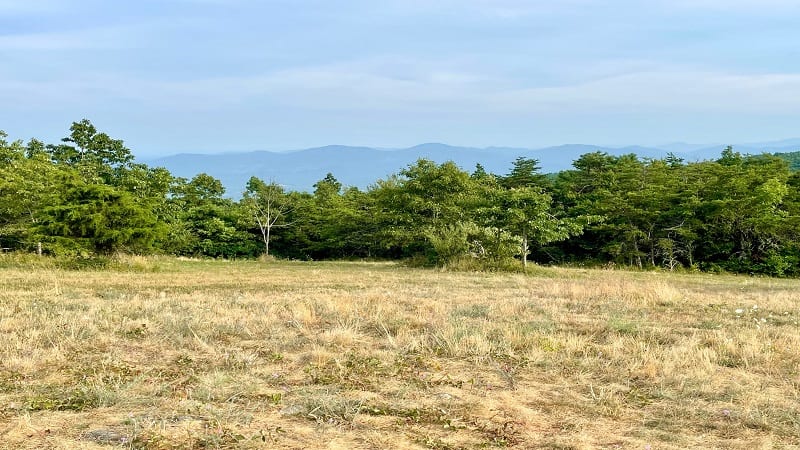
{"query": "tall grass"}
(164, 353)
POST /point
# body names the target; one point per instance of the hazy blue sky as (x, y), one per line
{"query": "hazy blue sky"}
(229, 75)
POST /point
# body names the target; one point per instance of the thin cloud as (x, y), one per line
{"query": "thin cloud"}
(673, 92)
(411, 61)
(766, 6)
(430, 87)
(17, 7)
(136, 34)
(69, 40)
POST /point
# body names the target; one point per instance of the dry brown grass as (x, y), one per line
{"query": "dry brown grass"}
(189, 354)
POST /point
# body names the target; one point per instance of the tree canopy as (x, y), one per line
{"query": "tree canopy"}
(86, 195)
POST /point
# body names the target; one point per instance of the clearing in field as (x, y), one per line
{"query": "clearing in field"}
(188, 354)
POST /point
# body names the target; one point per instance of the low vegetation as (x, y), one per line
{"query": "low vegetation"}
(158, 353)
(86, 197)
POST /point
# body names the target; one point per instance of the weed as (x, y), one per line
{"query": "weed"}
(177, 353)
(477, 311)
(352, 370)
(326, 406)
(79, 398)
(623, 326)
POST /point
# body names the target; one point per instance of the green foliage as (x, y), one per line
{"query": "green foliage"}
(268, 205)
(86, 198)
(525, 173)
(332, 223)
(426, 195)
(25, 185)
(449, 241)
(733, 214)
(96, 156)
(98, 218)
(202, 223)
(792, 158)
(80, 398)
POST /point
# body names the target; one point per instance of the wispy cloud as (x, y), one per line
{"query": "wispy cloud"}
(767, 6)
(104, 38)
(32, 6)
(673, 92)
(511, 9)
(126, 34)
(434, 88)
(416, 61)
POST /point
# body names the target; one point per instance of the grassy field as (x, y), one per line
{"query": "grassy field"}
(198, 354)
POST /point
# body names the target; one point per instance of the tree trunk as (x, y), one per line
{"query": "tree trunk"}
(525, 253)
(266, 241)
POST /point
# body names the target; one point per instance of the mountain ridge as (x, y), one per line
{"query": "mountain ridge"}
(361, 166)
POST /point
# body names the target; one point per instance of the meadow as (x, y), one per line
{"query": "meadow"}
(182, 354)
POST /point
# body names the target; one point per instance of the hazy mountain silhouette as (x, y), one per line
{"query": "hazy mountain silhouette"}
(362, 166)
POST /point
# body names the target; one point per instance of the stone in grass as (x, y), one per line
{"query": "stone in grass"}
(293, 410)
(104, 436)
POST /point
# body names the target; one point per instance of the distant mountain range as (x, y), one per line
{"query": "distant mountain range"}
(362, 166)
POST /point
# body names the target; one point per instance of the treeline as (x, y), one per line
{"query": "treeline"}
(792, 158)
(87, 196)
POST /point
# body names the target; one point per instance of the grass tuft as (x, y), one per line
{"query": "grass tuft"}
(158, 353)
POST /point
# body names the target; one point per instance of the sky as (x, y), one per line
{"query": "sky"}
(211, 76)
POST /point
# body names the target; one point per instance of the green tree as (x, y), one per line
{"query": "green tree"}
(743, 211)
(335, 221)
(27, 183)
(96, 156)
(598, 187)
(793, 158)
(268, 205)
(202, 222)
(525, 172)
(479, 173)
(421, 202)
(202, 188)
(528, 215)
(97, 218)
(327, 187)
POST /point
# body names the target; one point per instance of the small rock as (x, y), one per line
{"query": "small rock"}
(104, 436)
(293, 410)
